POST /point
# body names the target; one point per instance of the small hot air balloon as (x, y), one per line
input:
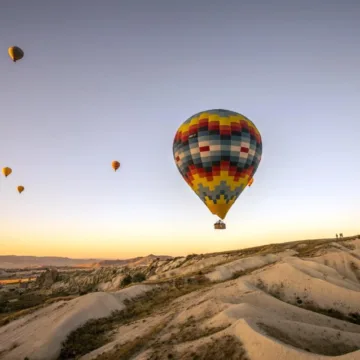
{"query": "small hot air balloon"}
(15, 53)
(6, 171)
(250, 182)
(217, 152)
(115, 165)
(20, 189)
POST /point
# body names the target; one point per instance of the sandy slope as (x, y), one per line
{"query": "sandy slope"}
(284, 308)
(225, 272)
(39, 335)
(266, 311)
(266, 327)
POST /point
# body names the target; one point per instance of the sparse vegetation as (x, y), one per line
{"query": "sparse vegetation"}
(240, 273)
(10, 304)
(277, 292)
(227, 347)
(13, 314)
(224, 348)
(128, 350)
(351, 317)
(321, 346)
(95, 333)
(237, 274)
(190, 331)
(191, 256)
(126, 280)
(139, 277)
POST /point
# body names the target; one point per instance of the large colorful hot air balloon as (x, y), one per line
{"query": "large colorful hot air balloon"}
(15, 53)
(6, 171)
(115, 165)
(20, 189)
(217, 152)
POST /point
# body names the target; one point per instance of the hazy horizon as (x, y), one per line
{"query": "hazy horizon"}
(82, 258)
(102, 83)
(155, 254)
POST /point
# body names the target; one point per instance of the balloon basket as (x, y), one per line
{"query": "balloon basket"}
(219, 225)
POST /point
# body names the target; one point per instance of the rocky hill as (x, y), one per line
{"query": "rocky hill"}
(133, 262)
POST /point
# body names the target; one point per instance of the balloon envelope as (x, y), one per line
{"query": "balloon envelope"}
(15, 53)
(115, 165)
(20, 189)
(6, 171)
(217, 152)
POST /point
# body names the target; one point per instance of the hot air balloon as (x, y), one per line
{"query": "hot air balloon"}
(20, 189)
(251, 182)
(217, 152)
(6, 171)
(115, 165)
(15, 53)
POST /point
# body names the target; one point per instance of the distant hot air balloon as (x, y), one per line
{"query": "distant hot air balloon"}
(6, 171)
(115, 165)
(20, 189)
(251, 182)
(217, 152)
(15, 53)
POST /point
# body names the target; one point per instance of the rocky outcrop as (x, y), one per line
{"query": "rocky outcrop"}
(156, 269)
(84, 281)
(47, 279)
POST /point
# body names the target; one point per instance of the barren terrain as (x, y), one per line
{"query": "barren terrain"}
(296, 301)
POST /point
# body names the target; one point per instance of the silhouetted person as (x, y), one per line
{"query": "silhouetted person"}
(337, 236)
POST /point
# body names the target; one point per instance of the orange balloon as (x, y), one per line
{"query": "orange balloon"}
(15, 53)
(115, 165)
(20, 189)
(6, 171)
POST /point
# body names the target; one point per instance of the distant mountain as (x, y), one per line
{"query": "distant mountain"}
(21, 262)
(14, 261)
(138, 261)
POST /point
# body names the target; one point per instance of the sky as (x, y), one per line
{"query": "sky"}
(113, 80)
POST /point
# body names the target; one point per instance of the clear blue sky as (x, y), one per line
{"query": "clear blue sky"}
(113, 80)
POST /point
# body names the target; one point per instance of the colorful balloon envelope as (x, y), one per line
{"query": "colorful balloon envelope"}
(6, 171)
(115, 165)
(15, 53)
(217, 152)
